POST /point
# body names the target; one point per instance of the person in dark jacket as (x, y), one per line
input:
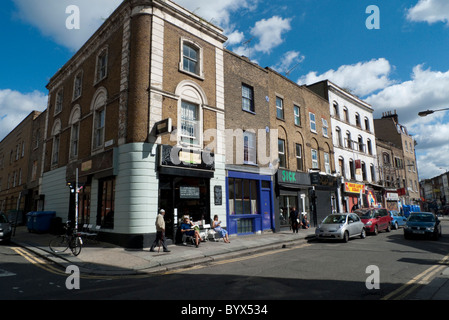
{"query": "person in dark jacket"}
(294, 217)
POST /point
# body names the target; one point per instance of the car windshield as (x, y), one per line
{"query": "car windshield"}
(365, 214)
(335, 218)
(3, 219)
(421, 218)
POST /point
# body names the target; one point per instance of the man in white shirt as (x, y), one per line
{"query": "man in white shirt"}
(160, 232)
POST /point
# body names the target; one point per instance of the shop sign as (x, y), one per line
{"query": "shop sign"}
(186, 158)
(324, 180)
(354, 187)
(392, 196)
(292, 177)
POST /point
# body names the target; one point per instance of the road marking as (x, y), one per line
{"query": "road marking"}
(4, 273)
(421, 279)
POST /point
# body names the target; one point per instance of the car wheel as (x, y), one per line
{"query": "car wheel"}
(346, 236)
(396, 226)
(363, 234)
(376, 230)
(388, 229)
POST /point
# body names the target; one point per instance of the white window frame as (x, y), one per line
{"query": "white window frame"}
(249, 147)
(312, 122)
(281, 153)
(199, 63)
(280, 108)
(325, 128)
(297, 114)
(194, 124)
(315, 161)
(327, 163)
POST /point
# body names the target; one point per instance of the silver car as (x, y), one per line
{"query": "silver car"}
(341, 226)
(5, 229)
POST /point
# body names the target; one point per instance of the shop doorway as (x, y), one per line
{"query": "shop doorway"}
(185, 196)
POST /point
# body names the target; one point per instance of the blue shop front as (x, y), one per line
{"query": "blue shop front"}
(250, 207)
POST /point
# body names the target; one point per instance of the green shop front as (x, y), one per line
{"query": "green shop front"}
(291, 191)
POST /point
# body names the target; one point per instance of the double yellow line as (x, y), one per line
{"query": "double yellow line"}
(421, 279)
(38, 262)
(45, 265)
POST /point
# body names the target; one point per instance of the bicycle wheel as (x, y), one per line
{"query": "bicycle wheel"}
(75, 245)
(59, 244)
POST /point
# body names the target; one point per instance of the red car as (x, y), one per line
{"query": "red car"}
(375, 219)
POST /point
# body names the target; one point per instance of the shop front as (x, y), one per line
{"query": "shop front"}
(353, 195)
(184, 186)
(324, 196)
(292, 191)
(249, 203)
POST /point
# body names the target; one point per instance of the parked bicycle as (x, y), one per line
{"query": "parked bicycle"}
(70, 239)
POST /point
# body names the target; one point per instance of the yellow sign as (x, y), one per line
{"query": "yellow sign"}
(354, 187)
(190, 157)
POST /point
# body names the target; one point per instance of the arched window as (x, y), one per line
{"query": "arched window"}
(74, 122)
(98, 107)
(190, 114)
(56, 132)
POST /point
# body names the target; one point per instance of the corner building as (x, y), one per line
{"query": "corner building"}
(150, 67)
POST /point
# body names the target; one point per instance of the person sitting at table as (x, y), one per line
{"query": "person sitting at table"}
(216, 226)
(188, 228)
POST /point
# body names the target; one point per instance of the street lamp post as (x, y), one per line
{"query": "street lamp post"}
(428, 112)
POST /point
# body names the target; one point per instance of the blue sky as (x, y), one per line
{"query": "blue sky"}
(402, 66)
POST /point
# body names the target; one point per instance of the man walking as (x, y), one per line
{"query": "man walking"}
(160, 232)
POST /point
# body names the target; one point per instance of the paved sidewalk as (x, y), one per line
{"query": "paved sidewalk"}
(101, 258)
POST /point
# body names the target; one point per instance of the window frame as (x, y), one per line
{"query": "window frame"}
(250, 99)
(282, 154)
(299, 158)
(249, 148)
(99, 67)
(297, 115)
(312, 128)
(279, 108)
(315, 162)
(199, 72)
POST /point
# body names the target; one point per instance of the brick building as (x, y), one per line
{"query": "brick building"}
(389, 129)
(21, 165)
(287, 157)
(151, 63)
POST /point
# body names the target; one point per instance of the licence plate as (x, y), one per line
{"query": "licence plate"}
(418, 231)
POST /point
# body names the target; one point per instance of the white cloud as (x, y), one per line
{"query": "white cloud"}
(429, 11)
(217, 12)
(288, 61)
(15, 106)
(50, 16)
(235, 37)
(362, 78)
(426, 89)
(269, 32)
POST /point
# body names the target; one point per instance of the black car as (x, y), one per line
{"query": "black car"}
(5, 229)
(422, 224)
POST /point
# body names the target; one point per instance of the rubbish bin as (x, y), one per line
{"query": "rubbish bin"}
(30, 221)
(42, 220)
